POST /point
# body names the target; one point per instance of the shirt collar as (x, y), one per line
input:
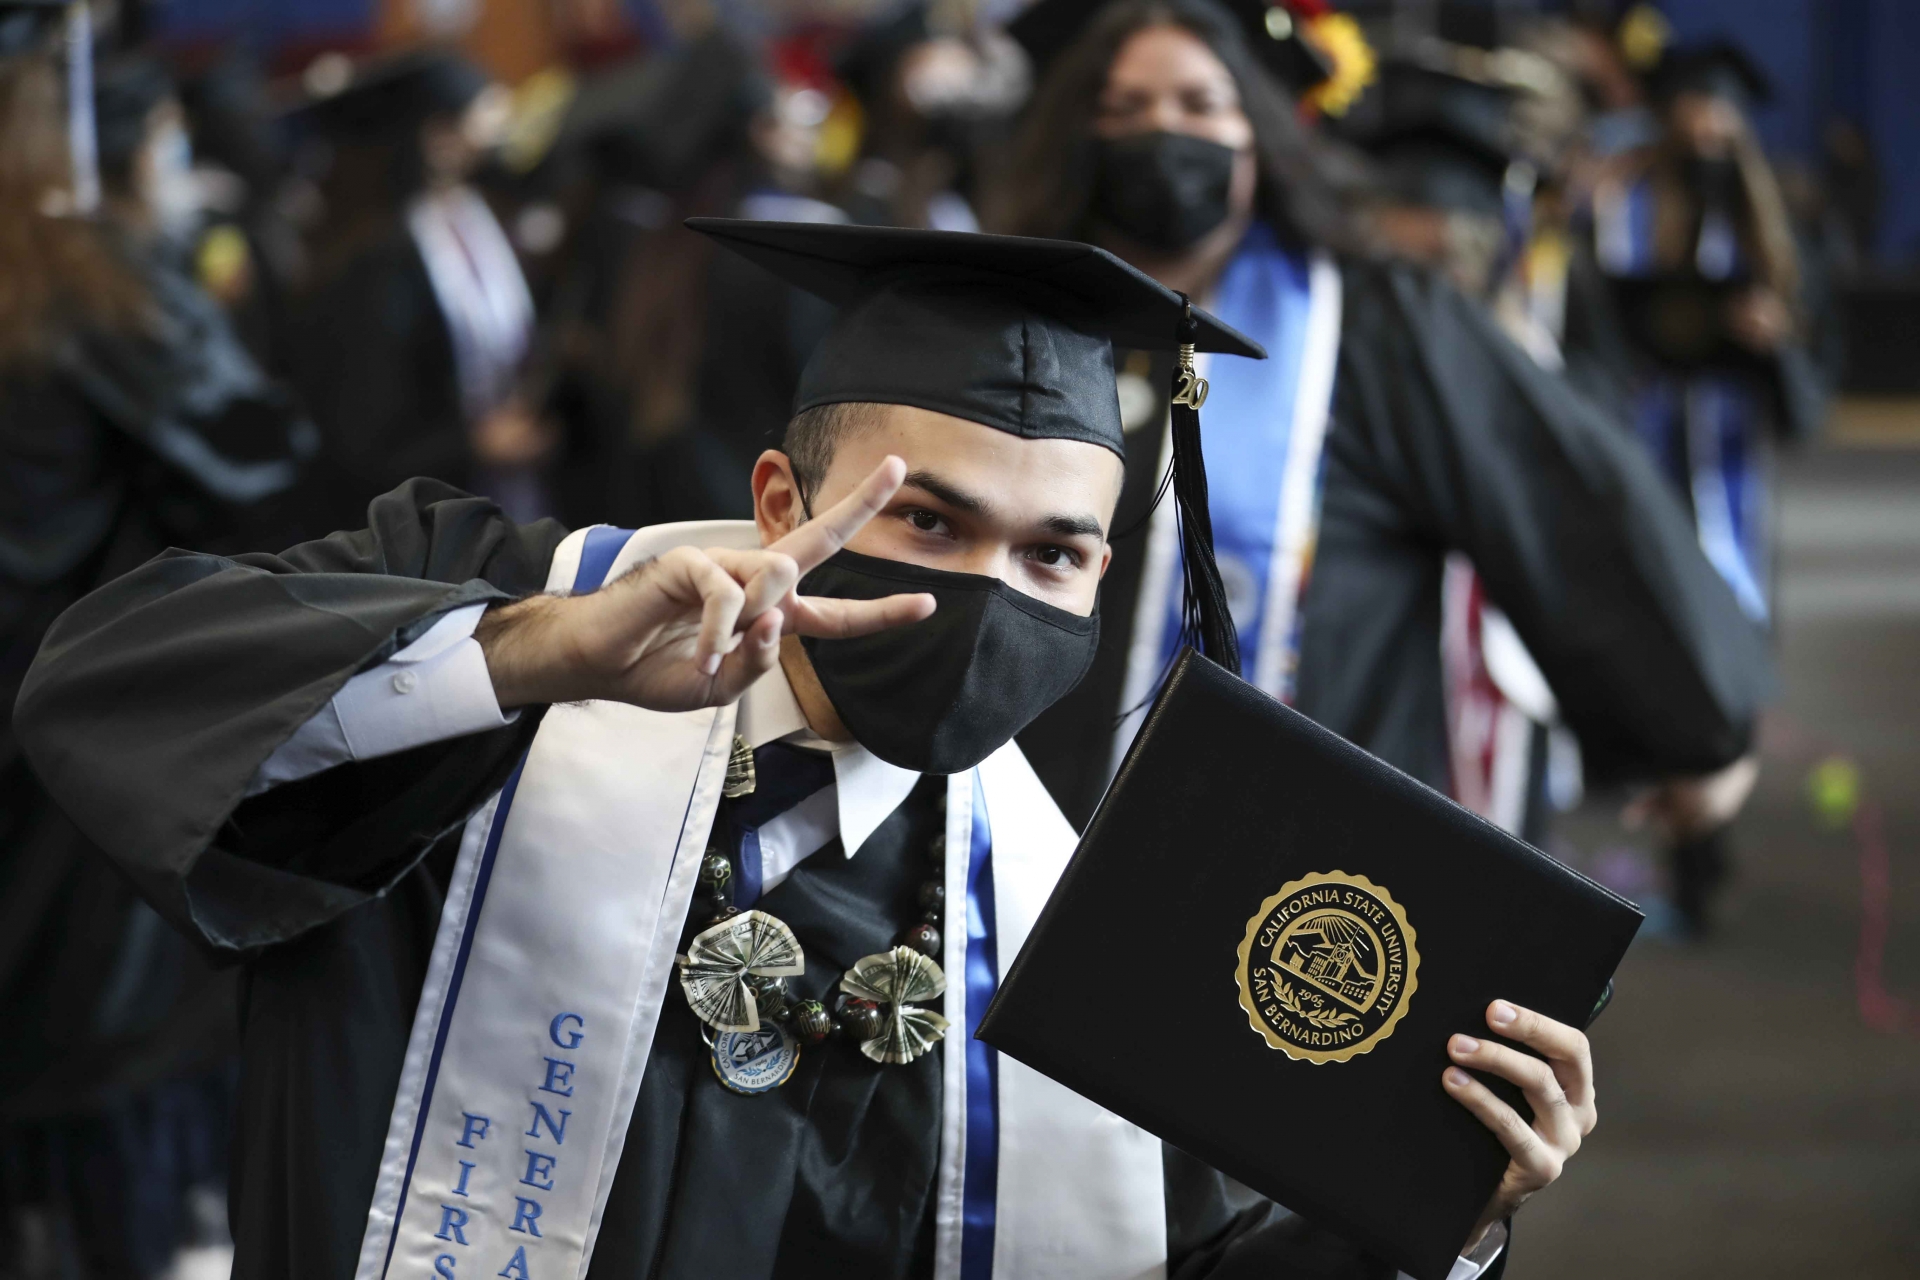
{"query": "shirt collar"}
(869, 788)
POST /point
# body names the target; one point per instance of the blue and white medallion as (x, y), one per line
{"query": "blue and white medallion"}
(754, 1061)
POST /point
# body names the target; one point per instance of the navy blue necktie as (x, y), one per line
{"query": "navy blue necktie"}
(783, 776)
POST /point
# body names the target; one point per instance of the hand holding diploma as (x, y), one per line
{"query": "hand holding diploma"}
(691, 628)
(1559, 1090)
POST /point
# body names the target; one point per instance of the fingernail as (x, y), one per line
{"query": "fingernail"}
(712, 664)
(1465, 1044)
(1502, 1013)
(1456, 1078)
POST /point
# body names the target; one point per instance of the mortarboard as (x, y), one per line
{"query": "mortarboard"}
(1270, 29)
(1719, 68)
(1011, 332)
(389, 96)
(1443, 140)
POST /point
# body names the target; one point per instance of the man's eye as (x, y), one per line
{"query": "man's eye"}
(1056, 557)
(925, 521)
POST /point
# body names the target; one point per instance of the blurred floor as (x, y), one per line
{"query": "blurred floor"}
(1753, 1124)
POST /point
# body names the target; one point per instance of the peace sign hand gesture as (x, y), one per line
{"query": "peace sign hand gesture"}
(690, 628)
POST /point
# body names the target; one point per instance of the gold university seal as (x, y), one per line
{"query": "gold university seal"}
(1327, 967)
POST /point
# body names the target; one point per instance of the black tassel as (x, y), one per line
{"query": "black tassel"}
(1205, 621)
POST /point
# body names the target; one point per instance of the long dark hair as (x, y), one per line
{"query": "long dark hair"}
(1048, 187)
(58, 274)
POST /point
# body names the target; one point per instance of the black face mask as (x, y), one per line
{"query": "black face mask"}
(1162, 190)
(943, 694)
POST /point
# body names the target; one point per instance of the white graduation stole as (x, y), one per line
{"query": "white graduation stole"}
(552, 963)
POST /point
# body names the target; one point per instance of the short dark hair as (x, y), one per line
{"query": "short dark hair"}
(814, 434)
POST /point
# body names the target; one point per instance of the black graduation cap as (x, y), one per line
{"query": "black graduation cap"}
(27, 25)
(1047, 28)
(1719, 68)
(1443, 140)
(1011, 332)
(395, 95)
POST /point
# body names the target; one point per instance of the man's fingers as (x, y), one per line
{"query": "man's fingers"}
(758, 650)
(1552, 1112)
(827, 532)
(720, 601)
(834, 619)
(1536, 1157)
(1566, 1048)
(767, 576)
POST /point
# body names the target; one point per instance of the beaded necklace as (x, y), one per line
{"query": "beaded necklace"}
(735, 970)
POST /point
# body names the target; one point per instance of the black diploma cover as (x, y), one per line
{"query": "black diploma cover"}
(1261, 947)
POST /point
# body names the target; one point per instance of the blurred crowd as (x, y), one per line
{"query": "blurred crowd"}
(239, 299)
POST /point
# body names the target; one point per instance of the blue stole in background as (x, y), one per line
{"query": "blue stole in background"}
(1249, 419)
(1704, 430)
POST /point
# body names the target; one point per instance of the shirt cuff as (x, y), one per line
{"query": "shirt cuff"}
(436, 688)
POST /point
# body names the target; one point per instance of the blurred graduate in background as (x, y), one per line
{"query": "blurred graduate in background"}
(1394, 424)
(418, 320)
(131, 419)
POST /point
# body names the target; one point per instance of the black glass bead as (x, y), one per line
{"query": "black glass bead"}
(771, 995)
(811, 1024)
(716, 874)
(937, 850)
(861, 1019)
(722, 912)
(933, 899)
(923, 938)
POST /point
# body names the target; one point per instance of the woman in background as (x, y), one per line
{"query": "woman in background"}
(131, 419)
(1392, 424)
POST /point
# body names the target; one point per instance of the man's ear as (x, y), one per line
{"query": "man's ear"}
(777, 509)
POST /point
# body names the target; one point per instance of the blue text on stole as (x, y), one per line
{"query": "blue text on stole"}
(547, 1124)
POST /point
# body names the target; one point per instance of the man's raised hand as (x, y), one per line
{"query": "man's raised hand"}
(690, 628)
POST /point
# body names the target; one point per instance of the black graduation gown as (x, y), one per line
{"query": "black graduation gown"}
(374, 361)
(117, 446)
(1445, 436)
(329, 891)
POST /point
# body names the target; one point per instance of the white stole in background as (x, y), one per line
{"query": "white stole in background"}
(552, 964)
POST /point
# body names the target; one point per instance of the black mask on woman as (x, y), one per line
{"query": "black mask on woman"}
(1162, 190)
(943, 694)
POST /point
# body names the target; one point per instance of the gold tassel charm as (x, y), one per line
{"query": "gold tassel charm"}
(1189, 388)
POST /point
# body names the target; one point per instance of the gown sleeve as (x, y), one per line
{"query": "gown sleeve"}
(154, 700)
(1218, 1229)
(1575, 534)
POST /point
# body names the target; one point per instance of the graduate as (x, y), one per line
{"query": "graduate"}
(620, 902)
(131, 418)
(1393, 423)
(410, 344)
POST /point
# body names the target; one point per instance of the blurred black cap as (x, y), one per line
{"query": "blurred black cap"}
(392, 96)
(1442, 140)
(1718, 68)
(27, 25)
(1048, 28)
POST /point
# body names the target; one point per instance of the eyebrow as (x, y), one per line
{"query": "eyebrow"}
(1065, 526)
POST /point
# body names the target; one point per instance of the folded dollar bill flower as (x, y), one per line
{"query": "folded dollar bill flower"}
(896, 980)
(721, 962)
